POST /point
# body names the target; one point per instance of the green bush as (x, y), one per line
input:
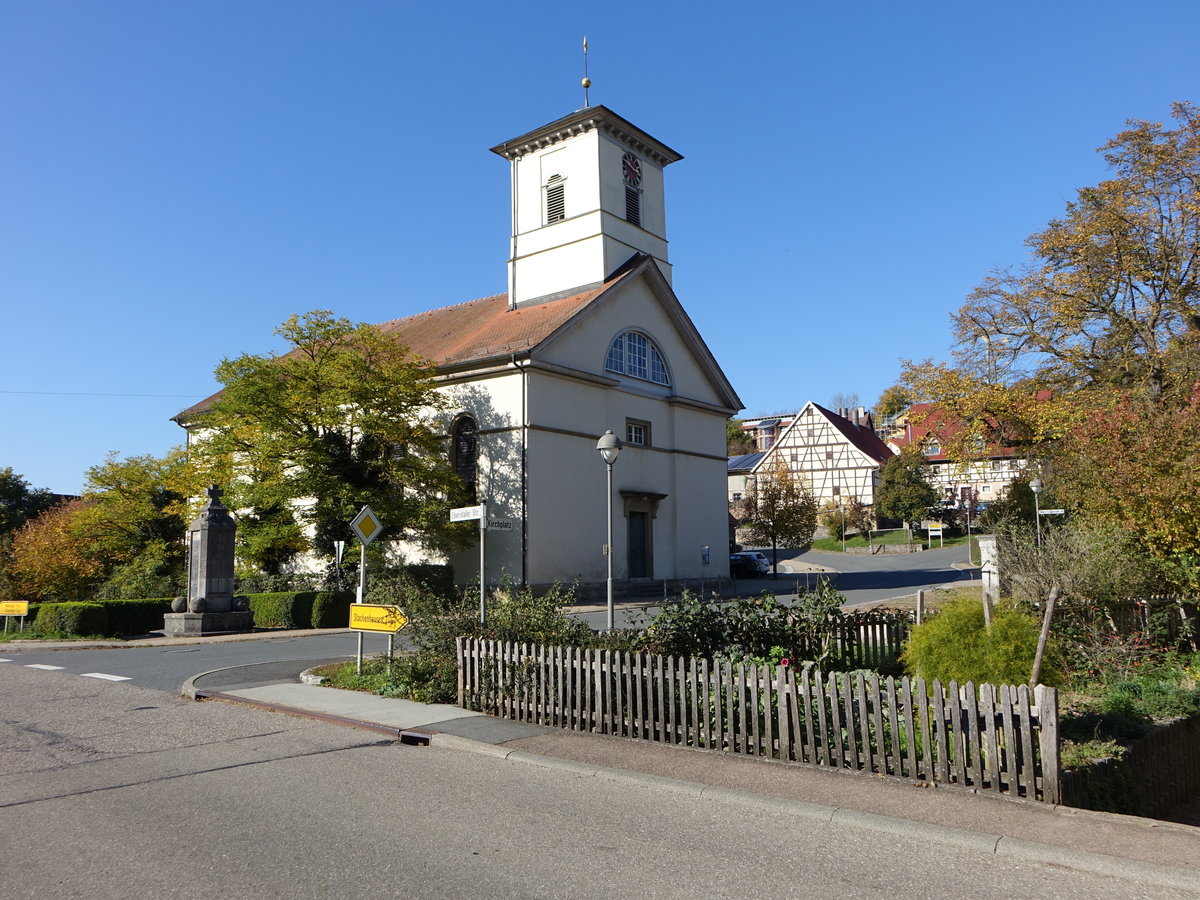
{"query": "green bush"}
(331, 609)
(283, 609)
(75, 619)
(955, 646)
(136, 616)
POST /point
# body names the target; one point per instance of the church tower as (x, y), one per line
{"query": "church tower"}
(587, 194)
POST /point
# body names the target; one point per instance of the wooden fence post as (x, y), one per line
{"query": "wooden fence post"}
(1046, 699)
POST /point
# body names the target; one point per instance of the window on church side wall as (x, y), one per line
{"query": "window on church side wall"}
(634, 354)
(556, 201)
(465, 454)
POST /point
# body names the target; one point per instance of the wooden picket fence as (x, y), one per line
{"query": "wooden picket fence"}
(1002, 739)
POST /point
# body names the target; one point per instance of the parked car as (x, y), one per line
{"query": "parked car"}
(748, 564)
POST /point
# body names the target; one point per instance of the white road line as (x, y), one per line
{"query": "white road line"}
(105, 677)
(47, 668)
(5, 660)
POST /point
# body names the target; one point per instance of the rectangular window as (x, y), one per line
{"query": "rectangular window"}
(837, 491)
(633, 206)
(556, 202)
(637, 433)
(636, 351)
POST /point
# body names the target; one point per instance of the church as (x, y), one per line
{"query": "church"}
(589, 338)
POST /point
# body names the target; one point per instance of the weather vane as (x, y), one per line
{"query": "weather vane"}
(587, 82)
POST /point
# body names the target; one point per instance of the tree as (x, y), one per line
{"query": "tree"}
(778, 508)
(19, 502)
(843, 400)
(339, 421)
(135, 520)
(49, 559)
(904, 493)
(737, 441)
(1112, 297)
(893, 400)
(1095, 343)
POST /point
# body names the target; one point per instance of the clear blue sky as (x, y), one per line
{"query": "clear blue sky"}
(179, 177)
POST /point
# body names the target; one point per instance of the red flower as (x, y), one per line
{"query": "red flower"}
(785, 661)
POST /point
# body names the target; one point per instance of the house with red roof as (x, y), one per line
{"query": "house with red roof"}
(589, 337)
(984, 477)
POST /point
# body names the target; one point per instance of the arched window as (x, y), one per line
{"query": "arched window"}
(464, 453)
(634, 354)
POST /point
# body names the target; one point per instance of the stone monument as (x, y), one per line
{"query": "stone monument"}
(210, 607)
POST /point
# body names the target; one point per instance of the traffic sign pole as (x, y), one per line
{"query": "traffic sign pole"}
(482, 562)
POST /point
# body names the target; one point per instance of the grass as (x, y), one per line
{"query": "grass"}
(891, 536)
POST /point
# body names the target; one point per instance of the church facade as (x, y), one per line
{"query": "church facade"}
(589, 337)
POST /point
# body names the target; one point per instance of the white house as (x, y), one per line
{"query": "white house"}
(838, 454)
(589, 337)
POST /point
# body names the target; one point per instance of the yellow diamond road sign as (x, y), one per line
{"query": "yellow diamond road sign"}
(366, 525)
(377, 617)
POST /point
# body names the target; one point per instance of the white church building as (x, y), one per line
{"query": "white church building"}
(589, 337)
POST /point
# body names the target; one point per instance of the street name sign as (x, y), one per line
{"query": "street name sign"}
(499, 524)
(366, 525)
(1051, 512)
(377, 617)
(466, 513)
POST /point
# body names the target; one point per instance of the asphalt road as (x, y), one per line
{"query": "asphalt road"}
(108, 789)
(167, 668)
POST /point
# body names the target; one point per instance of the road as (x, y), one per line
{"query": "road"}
(166, 668)
(863, 580)
(108, 789)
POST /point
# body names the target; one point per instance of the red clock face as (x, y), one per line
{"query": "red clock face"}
(631, 167)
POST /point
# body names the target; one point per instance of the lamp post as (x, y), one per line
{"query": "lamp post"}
(1036, 487)
(609, 446)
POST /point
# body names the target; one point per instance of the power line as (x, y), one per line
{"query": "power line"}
(93, 394)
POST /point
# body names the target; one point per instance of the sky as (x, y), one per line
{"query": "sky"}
(180, 177)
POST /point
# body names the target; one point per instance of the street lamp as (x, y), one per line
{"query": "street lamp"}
(1036, 487)
(609, 446)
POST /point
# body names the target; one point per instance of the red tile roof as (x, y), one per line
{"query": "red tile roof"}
(478, 329)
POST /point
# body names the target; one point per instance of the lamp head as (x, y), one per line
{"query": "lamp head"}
(609, 446)
(1036, 485)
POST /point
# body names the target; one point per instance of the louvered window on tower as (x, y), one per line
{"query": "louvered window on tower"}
(633, 206)
(556, 202)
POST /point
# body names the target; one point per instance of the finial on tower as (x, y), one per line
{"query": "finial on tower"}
(587, 82)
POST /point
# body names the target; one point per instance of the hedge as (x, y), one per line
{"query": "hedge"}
(79, 618)
(301, 609)
(136, 616)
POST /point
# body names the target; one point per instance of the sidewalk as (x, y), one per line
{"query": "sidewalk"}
(1150, 852)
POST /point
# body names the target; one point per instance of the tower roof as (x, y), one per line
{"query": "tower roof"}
(583, 120)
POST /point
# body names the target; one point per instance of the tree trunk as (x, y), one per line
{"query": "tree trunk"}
(1041, 647)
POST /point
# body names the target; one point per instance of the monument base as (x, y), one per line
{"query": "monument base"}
(191, 624)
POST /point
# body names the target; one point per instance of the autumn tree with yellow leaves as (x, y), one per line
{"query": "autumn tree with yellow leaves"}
(1089, 355)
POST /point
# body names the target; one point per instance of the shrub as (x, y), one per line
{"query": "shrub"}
(136, 616)
(75, 618)
(284, 609)
(331, 609)
(954, 645)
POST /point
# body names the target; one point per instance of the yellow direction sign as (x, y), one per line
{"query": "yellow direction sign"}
(377, 617)
(14, 607)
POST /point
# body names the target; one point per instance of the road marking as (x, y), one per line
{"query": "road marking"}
(47, 668)
(105, 677)
(5, 660)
